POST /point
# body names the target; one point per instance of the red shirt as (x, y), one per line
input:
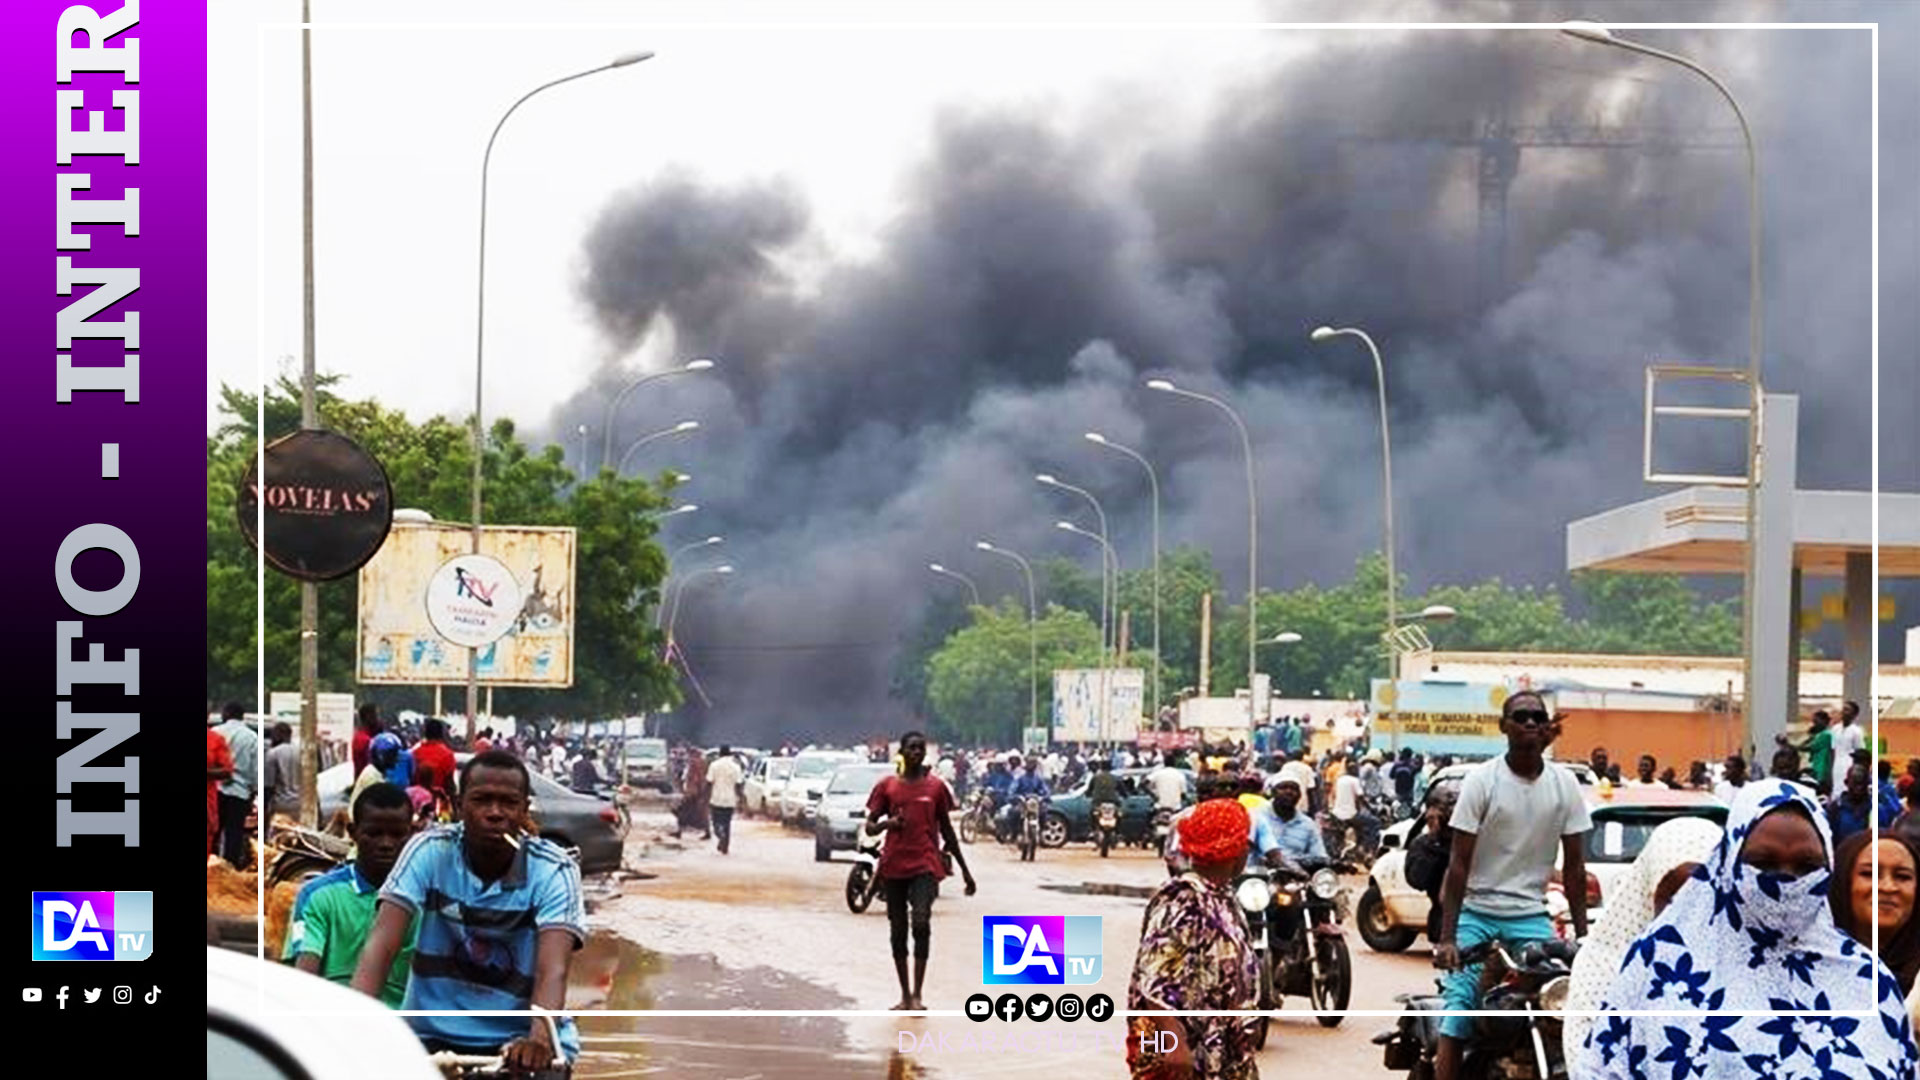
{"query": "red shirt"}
(362, 750)
(433, 766)
(219, 756)
(920, 805)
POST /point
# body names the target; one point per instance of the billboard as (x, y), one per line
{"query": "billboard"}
(1076, 711)
(334, 713)
(397, 643)
(1458, 718)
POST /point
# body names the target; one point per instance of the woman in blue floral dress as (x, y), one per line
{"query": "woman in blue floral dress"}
(1752, 932)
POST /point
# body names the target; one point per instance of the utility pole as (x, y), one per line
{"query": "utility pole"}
(309, 419)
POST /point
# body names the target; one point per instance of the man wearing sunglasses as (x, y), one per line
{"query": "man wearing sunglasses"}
(1512, 814)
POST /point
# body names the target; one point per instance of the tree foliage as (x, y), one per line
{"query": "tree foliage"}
(1340, 628)
(618, 569)
(977, 684)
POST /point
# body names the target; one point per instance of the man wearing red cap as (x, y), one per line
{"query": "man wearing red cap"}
(1196, 953)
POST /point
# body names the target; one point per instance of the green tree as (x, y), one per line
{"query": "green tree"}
(977, 683)
(429, 464)
(1654, 613)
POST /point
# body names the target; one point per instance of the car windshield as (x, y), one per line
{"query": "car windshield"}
(1619, 836)
(859, 779)
(651, 750)
(779, 770)
(811, 767)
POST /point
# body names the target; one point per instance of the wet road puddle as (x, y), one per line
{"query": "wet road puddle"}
(612, 973)
(1101, 888)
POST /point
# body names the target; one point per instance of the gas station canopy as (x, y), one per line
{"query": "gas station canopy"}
(1702, 530)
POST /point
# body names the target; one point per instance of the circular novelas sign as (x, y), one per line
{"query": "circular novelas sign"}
(473, 600)
(328, 505)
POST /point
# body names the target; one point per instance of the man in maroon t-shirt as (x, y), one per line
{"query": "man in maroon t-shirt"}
(917, 808)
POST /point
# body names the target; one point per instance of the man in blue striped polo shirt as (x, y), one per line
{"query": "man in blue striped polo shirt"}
(500, 916)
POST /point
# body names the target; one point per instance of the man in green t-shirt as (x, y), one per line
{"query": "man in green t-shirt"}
(1819, 750)
(334, 912)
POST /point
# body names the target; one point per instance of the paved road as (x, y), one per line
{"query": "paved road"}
(768, 905)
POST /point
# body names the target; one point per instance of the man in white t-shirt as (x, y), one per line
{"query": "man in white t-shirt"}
(1297, 770)
(1847, 738)
(1513, 813)
(1169, 786)
(723, 794)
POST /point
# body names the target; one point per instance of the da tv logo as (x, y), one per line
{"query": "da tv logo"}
(1039, 949)
(92, 925)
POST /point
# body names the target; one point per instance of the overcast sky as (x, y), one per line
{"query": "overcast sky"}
(928, 258)
(404, 102)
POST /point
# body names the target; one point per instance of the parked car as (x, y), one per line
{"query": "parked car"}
(811, 771)
(843, 807)
(587, 824)
(259, 1026)
(647, 764)
(1392, 914)
(761, 792)
(1070, 818)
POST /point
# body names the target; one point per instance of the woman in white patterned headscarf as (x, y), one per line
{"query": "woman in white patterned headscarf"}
(1752, 934)
(1670, 854)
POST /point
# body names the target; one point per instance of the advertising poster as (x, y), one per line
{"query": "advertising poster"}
(1461, 719)
(1077, 716)
(517, 598)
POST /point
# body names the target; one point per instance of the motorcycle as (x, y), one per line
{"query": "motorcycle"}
(1531, 984)
(1354, 842)
(1313, 961)
(296, 853)
(1162, 826)
(979, 816)
(1106, 821)
(864, 879)
(458, 1066)
(1029, 826)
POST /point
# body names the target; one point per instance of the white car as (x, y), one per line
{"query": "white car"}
(761, 792)
(255, 1030)
(811, 770)
(1392, 914)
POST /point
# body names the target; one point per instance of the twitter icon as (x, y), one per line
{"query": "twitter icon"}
(91, 996)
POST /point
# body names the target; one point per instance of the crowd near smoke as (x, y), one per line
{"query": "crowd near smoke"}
(875, 414)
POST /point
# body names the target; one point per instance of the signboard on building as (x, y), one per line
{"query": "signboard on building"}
(397, 642)
(1076, 713)
(1033, 740)
(1462, 719)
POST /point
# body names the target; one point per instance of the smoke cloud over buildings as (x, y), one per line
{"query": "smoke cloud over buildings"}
(873, 414)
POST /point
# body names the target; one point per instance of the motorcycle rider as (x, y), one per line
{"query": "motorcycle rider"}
(1103, 788)
(1029, 782)
(1426, 865)
(1295, 833)
(1511, 812)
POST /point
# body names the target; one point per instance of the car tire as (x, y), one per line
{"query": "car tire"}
(1376, 924)
(1054, 831)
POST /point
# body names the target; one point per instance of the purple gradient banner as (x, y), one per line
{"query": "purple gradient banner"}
(104, 318)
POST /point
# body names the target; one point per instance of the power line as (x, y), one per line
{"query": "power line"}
(821, 646)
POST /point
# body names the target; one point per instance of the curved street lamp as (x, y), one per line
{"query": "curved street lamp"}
(480, 342)
(1033, 646)
(680, 428)
(683, 508)
(1749, 639)
(1068, 526)
(1109, 598)
(1253, 528)
(606, 441)
(681, 593)
(971, 587)
(1153, 481)
(659, 614)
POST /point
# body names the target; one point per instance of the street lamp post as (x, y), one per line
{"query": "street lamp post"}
(1749, 632)
(659, 615)
(1253, 529)
(1033, 641)
(1109, 598)
(480, 339)
(971, 587)
(681, 594)
(606, 434)
(680, 428)
(1153, 481)
(1107, 552)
